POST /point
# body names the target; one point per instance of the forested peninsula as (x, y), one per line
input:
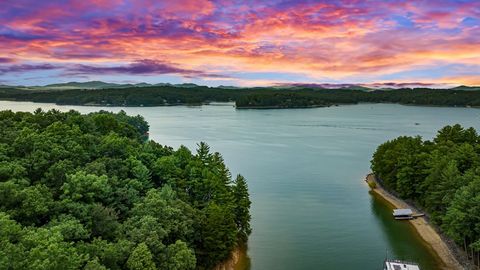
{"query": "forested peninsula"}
(244, 98)
(92, 192)
(441, 177)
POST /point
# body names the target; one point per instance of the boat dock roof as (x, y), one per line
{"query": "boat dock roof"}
(402, 212)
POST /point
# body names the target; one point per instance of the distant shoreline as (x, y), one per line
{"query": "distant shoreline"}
(232, 104)
(421, 225)
(279, 107)
(244, 98)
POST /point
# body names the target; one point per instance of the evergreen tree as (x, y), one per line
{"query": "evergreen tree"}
(242, 208)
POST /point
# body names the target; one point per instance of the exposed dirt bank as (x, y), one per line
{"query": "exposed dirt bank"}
(238, 260)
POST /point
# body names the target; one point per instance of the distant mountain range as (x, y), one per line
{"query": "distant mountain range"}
(94, 85)
(323, 86)
(363, 87)
(377, 86)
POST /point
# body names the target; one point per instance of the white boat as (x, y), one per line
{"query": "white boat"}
(400, 265)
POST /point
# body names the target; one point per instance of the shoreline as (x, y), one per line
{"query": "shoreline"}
(238, 260)
(229, 103)
(279, 107)
(421, 226)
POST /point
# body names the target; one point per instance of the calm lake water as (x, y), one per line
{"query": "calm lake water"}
(305, 168)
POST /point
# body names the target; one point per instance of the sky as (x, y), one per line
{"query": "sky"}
(242, 43)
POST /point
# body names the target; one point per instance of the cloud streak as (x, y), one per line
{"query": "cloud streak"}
(25, 68)
(4, 60)
(141, 67)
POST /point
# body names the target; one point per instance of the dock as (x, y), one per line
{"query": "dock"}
(406, 213)
(398, 213)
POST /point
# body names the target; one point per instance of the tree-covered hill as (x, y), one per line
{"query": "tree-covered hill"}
(261, 98)
(327, 97)
(136, 96)
(441, 176)
(92, 192)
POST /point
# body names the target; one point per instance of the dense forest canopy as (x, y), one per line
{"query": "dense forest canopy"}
(441, 176)
(92, 192)
(243, 97)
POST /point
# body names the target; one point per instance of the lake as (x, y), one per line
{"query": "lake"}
(311, 208)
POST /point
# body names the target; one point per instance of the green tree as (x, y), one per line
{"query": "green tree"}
(176, 216)
(442, 187)
(70, 228)
(45, 249)
(94, 265)
(462, 219)
(104, 222)
(219, 235)
(179, 257)
(242, 208)
(86, 188)
(456, 134)
(12, 255)
(113, 255)
(141, 259)
(35, 204)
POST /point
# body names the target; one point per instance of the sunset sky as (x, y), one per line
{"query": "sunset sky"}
(242, 43)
